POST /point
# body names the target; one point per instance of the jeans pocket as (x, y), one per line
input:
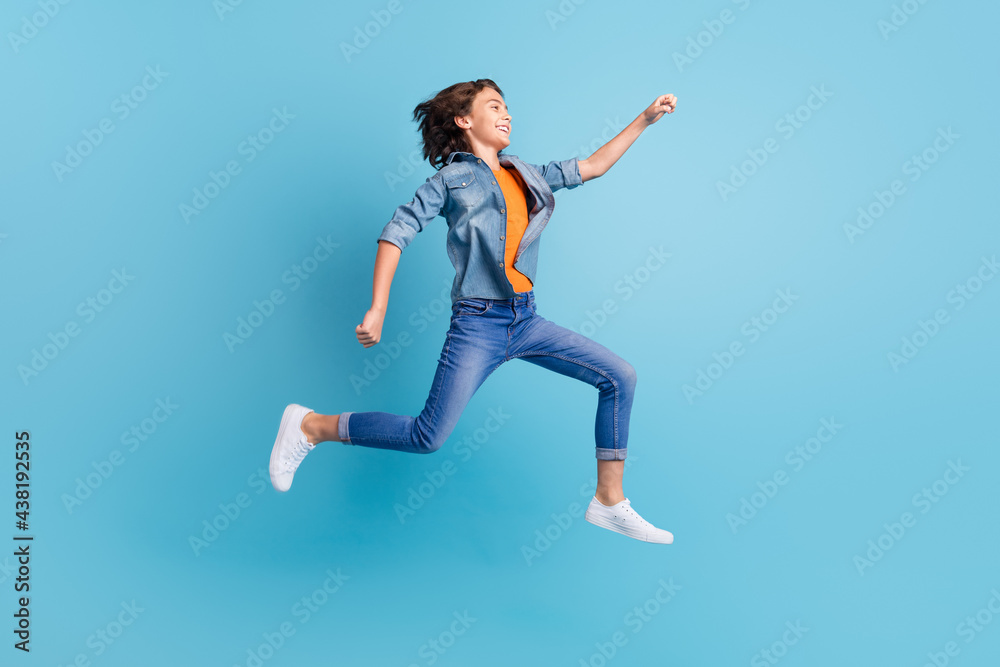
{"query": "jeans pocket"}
(470, 307)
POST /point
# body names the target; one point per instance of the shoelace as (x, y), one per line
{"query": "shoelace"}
(296, 455)
(628, 510)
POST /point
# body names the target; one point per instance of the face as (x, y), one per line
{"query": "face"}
(488, 124)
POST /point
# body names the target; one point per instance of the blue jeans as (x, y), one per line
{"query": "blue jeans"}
(484, 333)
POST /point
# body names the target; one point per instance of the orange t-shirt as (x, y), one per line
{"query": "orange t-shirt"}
(513, 188)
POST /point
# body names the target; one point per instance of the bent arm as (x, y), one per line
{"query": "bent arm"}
(386, 262)
(407, 221)
(605, 156)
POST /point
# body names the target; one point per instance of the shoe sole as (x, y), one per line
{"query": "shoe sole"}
(612, 525)
(286, 418)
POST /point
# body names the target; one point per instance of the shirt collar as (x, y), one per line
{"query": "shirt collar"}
(463, 154)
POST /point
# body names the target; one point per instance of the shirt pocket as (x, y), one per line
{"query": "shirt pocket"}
(464, 189)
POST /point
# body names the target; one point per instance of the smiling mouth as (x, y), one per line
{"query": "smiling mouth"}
(504, 130)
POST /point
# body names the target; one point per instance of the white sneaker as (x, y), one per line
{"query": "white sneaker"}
(290, 447)
(623, 519)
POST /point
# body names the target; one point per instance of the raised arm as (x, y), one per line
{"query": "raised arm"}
(605, 156)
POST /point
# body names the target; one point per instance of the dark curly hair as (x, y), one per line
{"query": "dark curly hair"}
(436, 118)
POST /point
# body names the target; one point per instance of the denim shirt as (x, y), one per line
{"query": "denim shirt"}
(466, 193)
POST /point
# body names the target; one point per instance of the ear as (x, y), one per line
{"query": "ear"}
(461, 122)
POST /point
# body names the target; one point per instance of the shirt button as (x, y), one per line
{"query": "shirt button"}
(494, 182)
(463, 184)
(501, 265)
(502, 210)
(501, 238)
(479, 161)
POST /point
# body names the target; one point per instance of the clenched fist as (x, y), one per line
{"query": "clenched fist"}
(661, 105)
(370, 330)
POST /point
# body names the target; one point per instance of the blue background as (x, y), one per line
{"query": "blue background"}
(337, 171)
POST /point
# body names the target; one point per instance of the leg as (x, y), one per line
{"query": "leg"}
(466, 360)
(320, 428)
(609, 482)
(566, 352)
(557, 348)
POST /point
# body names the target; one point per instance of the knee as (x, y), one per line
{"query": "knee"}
(626, 377)
(428, 443)
(430, 447)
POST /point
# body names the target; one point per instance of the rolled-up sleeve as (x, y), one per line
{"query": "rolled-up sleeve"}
(560, 173)
(413, 216)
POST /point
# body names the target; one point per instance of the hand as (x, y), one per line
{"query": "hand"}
(370, 330)
(662, 104)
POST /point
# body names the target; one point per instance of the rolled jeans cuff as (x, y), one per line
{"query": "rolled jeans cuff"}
(342, 428)
(604, 454)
